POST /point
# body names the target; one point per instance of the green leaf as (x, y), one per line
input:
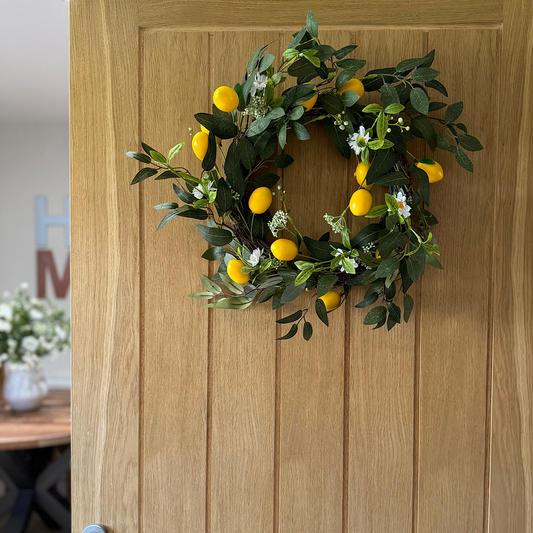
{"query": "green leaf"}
(290, 335)
(425, 127)
(214, 254)
(433, 261)
(389, 95)
(266, 180)
(312, 24)
(383, 161)
(428, 59)
(464, 160)
(308, 331)
(470, 143)
(395, 312)
(147, 148)
(254, 59)
(143, 174)
(375, 315)
(423, 74)
(324, 52)
(387, 267)
(382, 125)
(246, 153)
(259, 125)
(215, 236)
(210, 157)
(266, 294)
(201, 295)
(221, 127)
(299, 130)
(408, 304)
(167, 175)
(435, 106)
(389, 180)
(184, 196)
(437, 85)
(420, 100)
(423, 182)
(187, 211)
(377, 211)
(391, 202)
(443, 143)
(372, 108)
(224, 197)
(409, 64)
(276, 113)
(325, 284)
(365, 237)
(347, 265)
(291, 318)
(296, 112)
(390, 243)
(319, 249)
(266, 61)
(375, 145)
(344, 51)
(394, 109)
(291, 292)
(369, 299)
(210, 285)
(332, 103)
(416, 264)
(349, 98)
(232, 303)
(338, 137)
(282, 135)
(320, 310)
(453, 112)
(282, 160)
(174, 151)
(167, 205)
(139, 157)
(303, 276)
(171, 215)
(160, 158)
(232, 167)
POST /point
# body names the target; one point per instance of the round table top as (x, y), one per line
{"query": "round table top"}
(48, 426)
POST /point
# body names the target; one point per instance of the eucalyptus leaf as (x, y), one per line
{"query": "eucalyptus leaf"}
(320, 310)
(420, 100)
(215, 236)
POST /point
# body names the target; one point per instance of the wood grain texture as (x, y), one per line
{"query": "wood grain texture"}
(312, 375)
(105, 264)
(48, 426)
(511, 496)
(456, 302)
(243, 380)
(176, 328)
(382, 365)
(217, 13)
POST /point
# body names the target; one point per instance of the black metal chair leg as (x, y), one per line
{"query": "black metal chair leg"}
(21, 513)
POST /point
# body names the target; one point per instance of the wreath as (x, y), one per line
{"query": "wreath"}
(261, 254)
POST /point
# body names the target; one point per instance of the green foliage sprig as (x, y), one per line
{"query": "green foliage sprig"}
(389, 254)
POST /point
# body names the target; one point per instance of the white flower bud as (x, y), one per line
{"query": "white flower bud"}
(407, 128)
(388, 130)
(400, 120)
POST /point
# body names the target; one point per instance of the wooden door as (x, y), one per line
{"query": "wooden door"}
(424, 429)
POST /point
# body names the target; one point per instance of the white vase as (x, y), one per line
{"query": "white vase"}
(25, 385)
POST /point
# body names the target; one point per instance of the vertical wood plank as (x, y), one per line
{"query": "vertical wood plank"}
(244, 358)
(105, 264)
(511, 495)
(312, 375)
(456, 312)
(175, 332)
(382, 366)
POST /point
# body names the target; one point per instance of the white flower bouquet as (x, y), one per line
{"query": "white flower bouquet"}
(30, 328)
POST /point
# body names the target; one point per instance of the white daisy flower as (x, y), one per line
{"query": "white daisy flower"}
(5, 326)
(35, 314)
(358, 141)
(255, 257)
(260, 84)
(351, 259)
(198, 191)
(403, 207)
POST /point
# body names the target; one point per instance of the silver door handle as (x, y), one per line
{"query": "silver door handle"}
(95, 528)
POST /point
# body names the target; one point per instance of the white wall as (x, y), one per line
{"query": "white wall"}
(34, 161)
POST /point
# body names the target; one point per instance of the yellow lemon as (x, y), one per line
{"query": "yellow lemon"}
(432, 169)
(206, 131)
(234, 272)
(199, 144)
(308, 104)
(260, 200)
(284, 249)
(360, 202)
(226, 99)
(331, 299)
(354, 85)
(360, 175)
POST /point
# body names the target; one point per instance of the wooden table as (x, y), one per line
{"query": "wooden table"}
(27, 443)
